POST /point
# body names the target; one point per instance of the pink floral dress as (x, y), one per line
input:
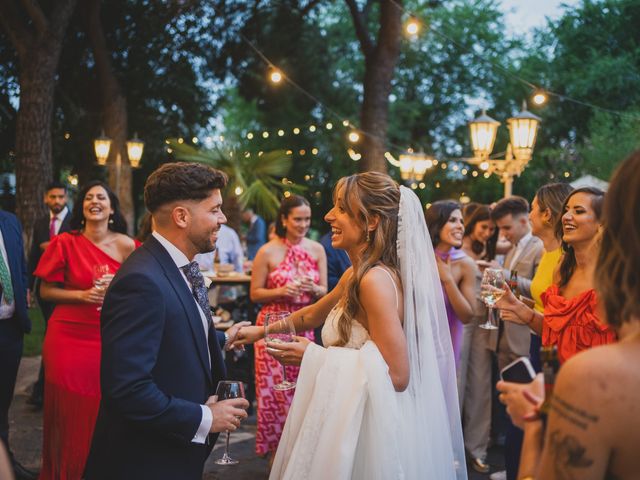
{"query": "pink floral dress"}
(273, 405)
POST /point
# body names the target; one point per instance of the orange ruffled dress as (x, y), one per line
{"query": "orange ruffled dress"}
(573, 325)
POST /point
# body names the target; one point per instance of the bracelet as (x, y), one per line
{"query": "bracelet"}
(226, 339)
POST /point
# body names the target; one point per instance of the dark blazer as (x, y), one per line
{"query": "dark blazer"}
(41, 235)
(154, 374)
(337, 261)
(12, 236)
(256, 236)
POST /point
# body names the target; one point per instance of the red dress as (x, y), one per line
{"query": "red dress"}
(273, 405)
(573, 325)
(71, 356)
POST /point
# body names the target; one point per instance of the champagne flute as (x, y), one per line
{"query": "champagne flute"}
(280, 321)
(100, 271)
(491, 290)
(225, 390)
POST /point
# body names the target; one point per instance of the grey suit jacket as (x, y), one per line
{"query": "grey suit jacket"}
(517, 338)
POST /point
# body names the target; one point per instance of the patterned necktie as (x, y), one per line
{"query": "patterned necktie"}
(5, 280)
(195, 278)
(52, 227)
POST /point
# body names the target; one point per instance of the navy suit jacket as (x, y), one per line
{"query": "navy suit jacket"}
(337, 261)
(154, 374)
(41, 235)
(256, 237)
(12, 236)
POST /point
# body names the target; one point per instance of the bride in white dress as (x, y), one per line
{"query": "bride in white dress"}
(380, 402)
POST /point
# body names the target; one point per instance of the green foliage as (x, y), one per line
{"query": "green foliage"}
(260, 177)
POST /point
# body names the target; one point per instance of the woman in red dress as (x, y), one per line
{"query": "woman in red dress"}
(277, 266)
(71, 350)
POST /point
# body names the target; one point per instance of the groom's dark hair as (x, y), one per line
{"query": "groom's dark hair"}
(181, 181)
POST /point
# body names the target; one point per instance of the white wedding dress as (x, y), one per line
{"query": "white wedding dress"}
(347, 421)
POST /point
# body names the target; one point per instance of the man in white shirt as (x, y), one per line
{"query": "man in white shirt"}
(161, 360)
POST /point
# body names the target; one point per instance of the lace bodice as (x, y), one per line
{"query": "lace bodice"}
(359, 334)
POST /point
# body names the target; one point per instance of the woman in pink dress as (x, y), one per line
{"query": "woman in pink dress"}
(289, 272)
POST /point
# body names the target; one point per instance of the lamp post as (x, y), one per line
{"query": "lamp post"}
(523, 130)
(135, 147)
(101, 146)
(413, 166)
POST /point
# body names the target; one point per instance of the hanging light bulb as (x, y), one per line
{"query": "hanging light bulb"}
(275, 76)
(539, 97)
(412, 27)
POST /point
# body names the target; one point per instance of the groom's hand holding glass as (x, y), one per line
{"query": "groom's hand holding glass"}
(227, 414)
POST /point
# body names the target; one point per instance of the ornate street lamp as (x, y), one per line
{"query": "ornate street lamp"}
(135, 147)
(523, 130)
(483, 135)
(413, 166)
(101, 145)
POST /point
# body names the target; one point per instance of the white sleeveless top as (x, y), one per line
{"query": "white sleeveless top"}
(359, 334)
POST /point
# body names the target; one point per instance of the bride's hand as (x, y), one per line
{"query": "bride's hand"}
(246, 335)
(289, 353)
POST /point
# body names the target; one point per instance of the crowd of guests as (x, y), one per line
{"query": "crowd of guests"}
(570, 258)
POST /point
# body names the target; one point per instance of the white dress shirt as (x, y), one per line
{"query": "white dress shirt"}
(180, 259)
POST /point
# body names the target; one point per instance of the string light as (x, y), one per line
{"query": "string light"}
(474, 173)
(567, 174)
(303, 152)
(238, 191)
(314, 151)
(345, 123)
(539, 97)
(249, 135)
(181, 140)
(194, 140)
(67, 136)
(312, 128)
(296, 131)
(354, 137)
(265, 134)
(280, 133)
(329, 126)
(412, 27)
(275, 76)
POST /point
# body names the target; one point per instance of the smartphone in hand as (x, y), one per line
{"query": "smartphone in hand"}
(518, 371)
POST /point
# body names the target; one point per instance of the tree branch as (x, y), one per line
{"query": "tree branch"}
(360, 25)
(14, 27)
(308, 7)
(35, 13)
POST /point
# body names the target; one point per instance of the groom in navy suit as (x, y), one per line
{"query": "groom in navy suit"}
(161, 359)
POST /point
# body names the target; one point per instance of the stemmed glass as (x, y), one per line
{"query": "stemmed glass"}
(491, 290)
(225, 390)
(281, 321)
(101, 278)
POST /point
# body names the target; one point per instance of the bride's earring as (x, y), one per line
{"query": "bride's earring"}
(368, 237)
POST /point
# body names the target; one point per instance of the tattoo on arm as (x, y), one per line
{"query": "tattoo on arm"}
(569, 454)
(574, 415)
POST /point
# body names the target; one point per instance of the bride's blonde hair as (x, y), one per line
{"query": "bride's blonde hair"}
(366, 196)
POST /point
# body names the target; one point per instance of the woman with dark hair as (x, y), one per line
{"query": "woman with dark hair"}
(75, 270)
(592, 429)
(570, 318)
(480, 232)
(288, 273)
(456, 270)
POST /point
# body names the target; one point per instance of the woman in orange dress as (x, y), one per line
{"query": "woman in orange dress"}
(71, 350)
(571, 318)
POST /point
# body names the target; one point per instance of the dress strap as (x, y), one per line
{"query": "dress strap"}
(395, 288)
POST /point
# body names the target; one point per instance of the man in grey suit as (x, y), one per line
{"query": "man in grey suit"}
(511, 215)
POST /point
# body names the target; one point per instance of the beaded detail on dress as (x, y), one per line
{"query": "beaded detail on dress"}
(330, 337)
